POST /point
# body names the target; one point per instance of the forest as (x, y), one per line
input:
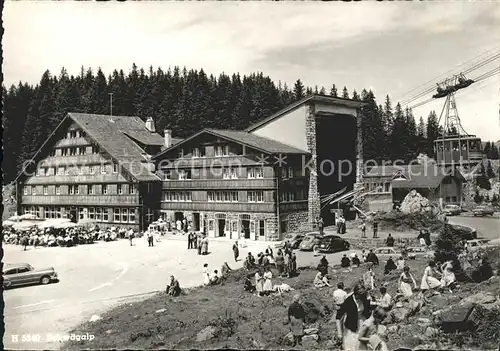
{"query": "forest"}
(188, 100)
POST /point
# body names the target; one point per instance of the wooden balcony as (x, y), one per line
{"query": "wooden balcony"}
(77, 160)
(268, 207)
(73, 142)
(76, 200)
(77, 179)
(220, 184)
(208, 162)
(293, 206)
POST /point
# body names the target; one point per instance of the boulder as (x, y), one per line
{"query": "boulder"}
(481, 298)
(399, 314)
(393, 329)
(382, 329)
(311, 331)
(455, 318)
(424, 321)
(206, 334)
(414, 202)
(161, 310)
(94, 318)
(310, 341)
(430, 332)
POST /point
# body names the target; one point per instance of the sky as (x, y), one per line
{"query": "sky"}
(392, 48)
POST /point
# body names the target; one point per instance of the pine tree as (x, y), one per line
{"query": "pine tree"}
(489, 171)
(355, 95)
(494, 152)
(432, 132)
(477, 197)
(316, 91)
(388, 119)
(333, 91)
(345, 93)
(322, 91)
(448, 246)
(298, 90)
(482, 179)
(421, 129)
(374, 145)
(487, 149)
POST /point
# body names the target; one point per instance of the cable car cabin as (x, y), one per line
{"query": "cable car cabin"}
(458, 150)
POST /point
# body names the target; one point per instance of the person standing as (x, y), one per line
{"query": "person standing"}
(320, 225)
(268, 284)
(428, 280)
(389, 241)
(405, 281)
(259, 281)
(363, 229)
(280, 262)
(206, 274)
(350, 316)
(296, 318)
(190, 241)
(236, 251)
(368, 333)
(131, 236)
(375, 229)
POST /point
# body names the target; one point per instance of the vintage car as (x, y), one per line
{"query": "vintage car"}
(294, 240)
(24, 274)
(307, 243)
(452, 210)
(482, 211)
(421, 251)
(386, 252)
(333, 243)
(477, 244)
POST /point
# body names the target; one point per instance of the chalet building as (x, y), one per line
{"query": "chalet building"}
(388, 185)
(329, 129)
(232, 183)
(95, 167)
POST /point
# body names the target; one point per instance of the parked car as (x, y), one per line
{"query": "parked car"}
(386, 252)
(333, 243)
(422, 251)
(482, 211)
(477, 244)
(24, 274)
(307, 243)
(452, 210)
(294, 239)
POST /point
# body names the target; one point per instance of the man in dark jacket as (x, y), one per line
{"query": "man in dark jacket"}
(236, 251)
(389, 266)
(347, 329)
(173, 289)
(345, 262)
(389, 241)
(296, 318)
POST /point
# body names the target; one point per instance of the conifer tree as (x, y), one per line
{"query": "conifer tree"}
(355, 95)
(333, 91)
(298, 90)
(482, 178)
(489, 171)
(322, 91)
(345, 93)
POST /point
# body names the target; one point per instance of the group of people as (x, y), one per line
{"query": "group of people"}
(374, 226)
(198, 242)
(285, 261)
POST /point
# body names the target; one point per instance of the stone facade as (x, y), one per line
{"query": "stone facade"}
(314, 202)
(297, 221)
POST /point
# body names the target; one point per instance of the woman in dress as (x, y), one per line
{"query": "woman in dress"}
(280, 262)
(405, 281)
(268, 284)
(204, 246)
(429, 281)
(400, 263)
(259, 282)
(369, 330)
(448, 278)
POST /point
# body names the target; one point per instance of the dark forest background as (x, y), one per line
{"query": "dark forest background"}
(189, 100)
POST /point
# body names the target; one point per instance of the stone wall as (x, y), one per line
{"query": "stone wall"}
(314, 203)
(297, 221)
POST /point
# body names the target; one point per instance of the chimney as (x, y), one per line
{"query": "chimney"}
(168, 137)
(150, 125)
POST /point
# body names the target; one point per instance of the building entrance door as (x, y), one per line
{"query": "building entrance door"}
(245, 227)
(221, 226)
(196, 222)
(72, 215)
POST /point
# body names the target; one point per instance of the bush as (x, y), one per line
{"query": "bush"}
(448, 246)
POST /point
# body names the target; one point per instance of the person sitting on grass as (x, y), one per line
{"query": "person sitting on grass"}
(371, 257)
(355, 261)
(389, 266)
(214, 278)
(249, 262)
(173, 289)
(345, 262)
(323, 265)
(320, 280)
(225, 270)
(249, 286)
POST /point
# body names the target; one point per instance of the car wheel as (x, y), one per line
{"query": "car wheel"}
(45, 280)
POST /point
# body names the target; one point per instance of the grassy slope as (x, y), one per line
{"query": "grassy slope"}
(259, 322)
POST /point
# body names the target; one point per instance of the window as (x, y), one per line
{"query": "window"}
(124, 215)
(234, 173)
(255, 196)
(131, 215)
(222, 150)
(61, 170)
(98, 214)
(184, 175)
(176, 196)
(95, 149)
(41, 171)
(33, 190)
(117, 215)
(167, 175)
(77, 190)
(90, 190)
(290, 172)
(115, 167)
(222, 196)
(80, 213)
(227, 196)
(196, 152)
(387, 187)
(91, 213)
(80, 170)
(45, 190)
(58, 190)
(82, 151)
(77, 133)
(262, 228)
(283, 174)
(72, 151)
(226, 173)
(104, 189)
(71, 189)
(119, 189)
(234, 196)
(64, 152)
(181, 153)
(255, 173)
(103, 169)
(131, 189)
(92, 169)
(25, 190)
(105, 216)
(66, 171)
(210, 196)
(68, 135)
(52, 153)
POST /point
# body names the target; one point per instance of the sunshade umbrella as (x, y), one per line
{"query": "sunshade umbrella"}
(7, 223)
(23, 225)
(65, 225)
(28, 216)
(48, 223)
(14, 218)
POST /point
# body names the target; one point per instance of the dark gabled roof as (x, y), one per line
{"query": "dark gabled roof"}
(384, 171)
(262, 144)
(145, 137)
(427, 176)
(313, 97)
(110, 133)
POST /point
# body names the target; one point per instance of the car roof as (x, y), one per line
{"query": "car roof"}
(385, 248)
(313, 233)
(14, 265)
(330, 236)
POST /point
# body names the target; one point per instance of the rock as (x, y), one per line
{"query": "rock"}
(310, 341)
(430, 332)
(437, 313)
(414, 202)
(161, 310)
(426, 347)
(455, 318)
(288, 339)
(423, 321)
(206, 334)
(94, 318)
(393, 329)
(382, 329)
(109, 331)
(313, 325)
(415, 306)
(311, 331)
(480, 298)
(399, 314)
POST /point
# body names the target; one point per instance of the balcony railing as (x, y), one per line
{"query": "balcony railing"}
(219, 207)
(75, 160)
(77, 179)
(73, 142)
(105, 200)
(220, 184)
